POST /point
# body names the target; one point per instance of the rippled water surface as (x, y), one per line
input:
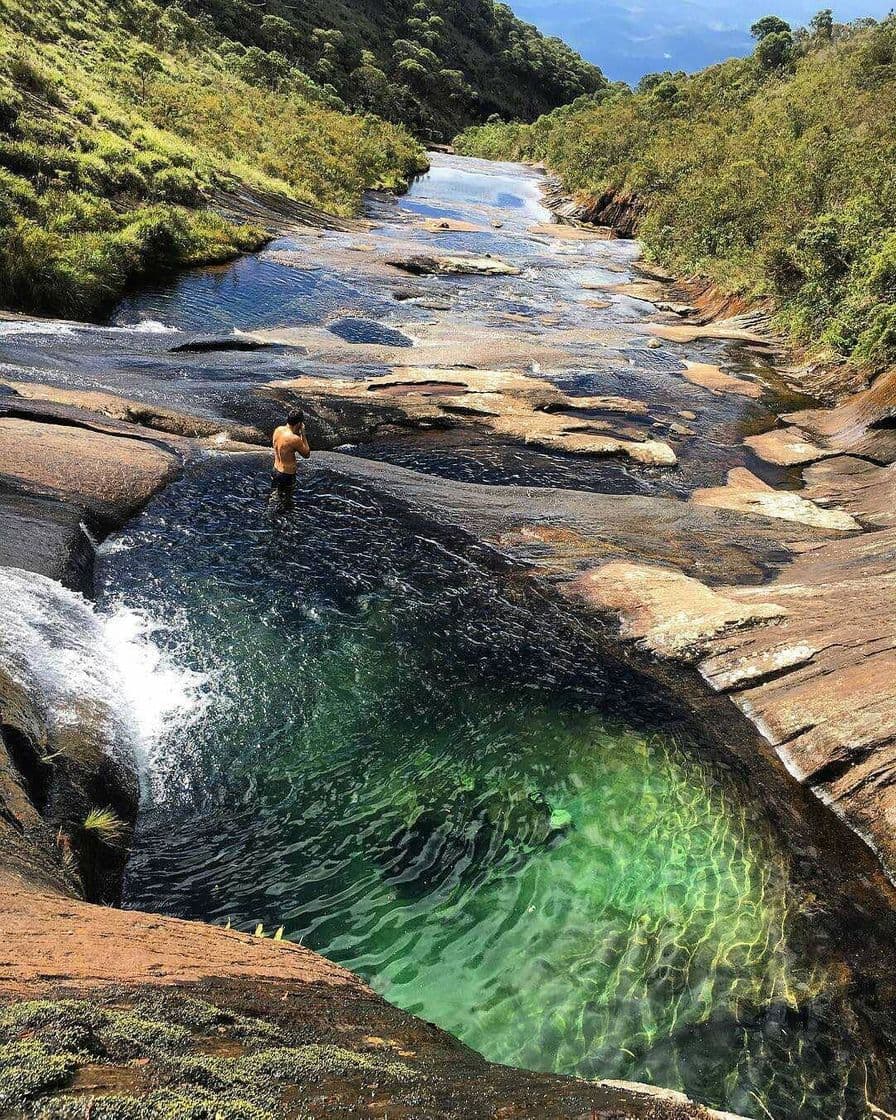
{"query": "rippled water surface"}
(395, 758)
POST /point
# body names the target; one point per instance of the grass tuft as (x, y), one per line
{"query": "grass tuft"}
(107, 826)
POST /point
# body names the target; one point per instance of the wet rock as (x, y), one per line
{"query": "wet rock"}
(421, 265)
(451, 225)
(718, 381)
(564, 232)
(45, 536)
(580, 440)
(509, 403)
(565, 531)
(91, 408)
(745, 492)
(109, 475)
(298, 1028)
(666, 612)
(63, 739)
(786, 447)
(228, 342)
(735, 329)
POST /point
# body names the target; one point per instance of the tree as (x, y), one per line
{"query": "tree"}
(269, 68)
(769, 25)
(278, 35)
(774, 50)
(822, 25)
(144, 63)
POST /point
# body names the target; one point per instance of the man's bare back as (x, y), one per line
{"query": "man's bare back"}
(288, 442)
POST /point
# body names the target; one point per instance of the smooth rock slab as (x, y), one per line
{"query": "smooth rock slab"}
(718, 381)
(866, 490)
(786, 447)
(664, 611)
(111, 476)
(749, 494)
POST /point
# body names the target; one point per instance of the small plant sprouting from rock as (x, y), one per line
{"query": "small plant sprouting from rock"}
(106, 825)
(277, 935)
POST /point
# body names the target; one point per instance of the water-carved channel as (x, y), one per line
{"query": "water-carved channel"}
(388, 747)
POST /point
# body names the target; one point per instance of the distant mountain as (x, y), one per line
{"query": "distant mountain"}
(433, 65)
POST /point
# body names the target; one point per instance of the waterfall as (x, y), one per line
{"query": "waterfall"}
(79, 668)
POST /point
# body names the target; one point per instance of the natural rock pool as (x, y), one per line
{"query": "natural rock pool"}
(382, 737)
(384, 748)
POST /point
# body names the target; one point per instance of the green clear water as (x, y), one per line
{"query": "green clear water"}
(421, 778)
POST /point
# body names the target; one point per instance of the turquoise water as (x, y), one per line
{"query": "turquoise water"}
(396, 758)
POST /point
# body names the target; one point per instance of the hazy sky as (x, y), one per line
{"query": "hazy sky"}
(628, 38)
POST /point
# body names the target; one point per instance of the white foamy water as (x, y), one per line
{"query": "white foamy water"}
(100, 673)
(150, 326)
(9, 328)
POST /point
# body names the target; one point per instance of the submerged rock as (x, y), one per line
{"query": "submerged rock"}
(421, 265)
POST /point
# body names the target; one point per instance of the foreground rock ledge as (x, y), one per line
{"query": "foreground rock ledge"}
(177, 1014)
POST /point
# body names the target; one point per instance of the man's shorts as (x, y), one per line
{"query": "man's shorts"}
(282, 482)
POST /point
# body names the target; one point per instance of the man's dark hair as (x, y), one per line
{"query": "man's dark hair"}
(296, 418)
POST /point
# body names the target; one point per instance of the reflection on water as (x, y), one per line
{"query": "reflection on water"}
(419, 778)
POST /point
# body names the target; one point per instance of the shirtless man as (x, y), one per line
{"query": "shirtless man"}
(289, 440)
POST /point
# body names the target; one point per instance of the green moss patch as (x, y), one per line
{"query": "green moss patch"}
(157, 1048)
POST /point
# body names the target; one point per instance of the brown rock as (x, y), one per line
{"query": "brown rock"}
(745, 492)
(717, 381)
(865, 424)
(786, 447)
(111, 476)
(731, 329)
(866, 490)
(666, 612)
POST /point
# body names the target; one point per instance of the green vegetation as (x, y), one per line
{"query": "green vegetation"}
(434, 65)
(106, 825)
(122, 122)
(157, 1053)
(772, 175)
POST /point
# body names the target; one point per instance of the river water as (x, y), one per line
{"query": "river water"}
(379, 742)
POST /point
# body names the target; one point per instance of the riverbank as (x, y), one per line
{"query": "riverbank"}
(694, 581)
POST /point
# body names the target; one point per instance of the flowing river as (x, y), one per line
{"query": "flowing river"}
(381, 739)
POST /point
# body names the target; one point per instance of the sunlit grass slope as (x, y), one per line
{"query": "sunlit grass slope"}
(117, 126)
(773, 175)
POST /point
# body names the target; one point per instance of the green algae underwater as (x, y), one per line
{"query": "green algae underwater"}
(382, 749)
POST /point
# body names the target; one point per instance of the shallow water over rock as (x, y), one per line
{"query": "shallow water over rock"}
(566, 317)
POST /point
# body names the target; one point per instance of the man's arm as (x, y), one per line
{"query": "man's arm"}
(299, 444)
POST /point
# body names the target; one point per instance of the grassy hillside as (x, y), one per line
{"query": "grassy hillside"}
(434, 65)
(774, 175)
(119, 120)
